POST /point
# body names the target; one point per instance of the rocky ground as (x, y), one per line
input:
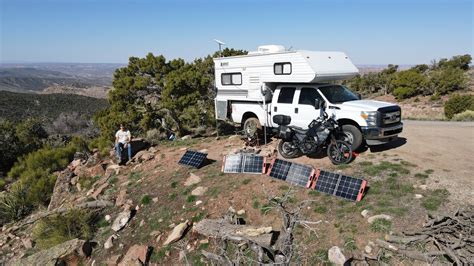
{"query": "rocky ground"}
(155, 211)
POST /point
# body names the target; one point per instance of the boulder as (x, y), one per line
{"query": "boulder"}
(192, 180)
(372, 219)
(177, 233)
(113, 260)
(335, 256)
(61, 189)
(136, 254)
(113, 169)
(99, 190)
(418, 196)
(199, 191)
(121, 220)
(121, 197)
(80, 170)
(97, 170)
(27, 243)
(241, 212)
(74, 247)
(147, 156)
(110, 241)
(74, 164)
(365, 213)
(186, 137)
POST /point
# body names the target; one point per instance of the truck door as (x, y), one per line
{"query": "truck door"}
(304, 107)
(283, 102)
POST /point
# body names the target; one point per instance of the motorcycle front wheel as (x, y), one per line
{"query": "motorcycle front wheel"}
(340, 152)
(287, 149)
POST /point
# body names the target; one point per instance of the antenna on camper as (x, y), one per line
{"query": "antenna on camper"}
(220, 43)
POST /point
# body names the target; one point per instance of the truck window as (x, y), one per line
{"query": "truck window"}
(231, 79)
(307, 96)
(282, 68)
(286, 95)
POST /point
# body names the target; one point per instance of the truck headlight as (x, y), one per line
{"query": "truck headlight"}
(370, 117)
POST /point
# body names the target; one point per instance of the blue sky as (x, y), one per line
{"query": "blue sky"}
(110, 31)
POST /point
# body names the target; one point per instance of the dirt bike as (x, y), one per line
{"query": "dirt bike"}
(322, 134)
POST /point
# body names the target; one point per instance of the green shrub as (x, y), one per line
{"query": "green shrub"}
(381, 225)
(404, 92)
(13, 204)
(467, 115)
(53, 230)
(102, 144)
(154, 136)
(34, 173)
(435, 97)
(458, 104)
(146, 199)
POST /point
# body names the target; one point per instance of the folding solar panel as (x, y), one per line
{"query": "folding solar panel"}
(339, 185)
(300, 175)
(232, 163)
(279, 169)
(193, 158)
(253, 164)
(243, 163)
(293, 173)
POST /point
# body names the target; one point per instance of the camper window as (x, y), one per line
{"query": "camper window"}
(308, 95)
(282, 68)
(231, 79)
(286, 95)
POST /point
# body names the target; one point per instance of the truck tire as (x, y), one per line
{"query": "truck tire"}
(251, 127)
(353, 136)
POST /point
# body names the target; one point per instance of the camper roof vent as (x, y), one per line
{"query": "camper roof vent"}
(270, 48)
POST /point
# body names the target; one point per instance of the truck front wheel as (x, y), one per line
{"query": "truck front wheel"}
(251, 126)
(353, 136)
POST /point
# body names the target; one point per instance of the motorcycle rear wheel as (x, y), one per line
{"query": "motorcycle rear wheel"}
(287, 151)
(340, 152)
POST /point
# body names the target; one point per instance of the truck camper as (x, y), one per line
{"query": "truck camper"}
(253, 88)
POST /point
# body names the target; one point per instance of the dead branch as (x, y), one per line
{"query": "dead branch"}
(449, 235)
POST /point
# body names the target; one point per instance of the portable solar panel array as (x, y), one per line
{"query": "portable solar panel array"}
(193, 158)
(244, 163)
(293, 173)
(339, 185)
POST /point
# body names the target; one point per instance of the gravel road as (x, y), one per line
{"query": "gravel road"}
(445, 147)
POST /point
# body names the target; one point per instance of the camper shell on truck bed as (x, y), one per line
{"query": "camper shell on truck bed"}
(243, 77)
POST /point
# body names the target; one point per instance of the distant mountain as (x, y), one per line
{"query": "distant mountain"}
(40, 77)
(18, 106)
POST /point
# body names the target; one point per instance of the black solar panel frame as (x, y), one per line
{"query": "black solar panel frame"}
(339, 185)
(193, 158)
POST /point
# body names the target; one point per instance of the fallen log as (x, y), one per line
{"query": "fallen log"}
(222, 229)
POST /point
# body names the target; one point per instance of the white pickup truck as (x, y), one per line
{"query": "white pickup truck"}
(251, 89)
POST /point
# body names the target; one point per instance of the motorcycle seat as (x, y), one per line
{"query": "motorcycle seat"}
(299, 130)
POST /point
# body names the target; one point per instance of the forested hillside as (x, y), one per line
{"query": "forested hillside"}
(19, 106)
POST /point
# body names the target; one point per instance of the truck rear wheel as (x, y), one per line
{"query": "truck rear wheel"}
(353, 136)
(252, 127)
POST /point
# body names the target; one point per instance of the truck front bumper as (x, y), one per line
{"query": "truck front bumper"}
(381, 135)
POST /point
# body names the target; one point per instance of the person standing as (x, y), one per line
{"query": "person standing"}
(122, 141)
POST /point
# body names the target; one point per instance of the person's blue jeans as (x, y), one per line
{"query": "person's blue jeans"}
(119, 147)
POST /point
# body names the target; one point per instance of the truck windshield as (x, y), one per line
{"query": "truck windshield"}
(338, 94)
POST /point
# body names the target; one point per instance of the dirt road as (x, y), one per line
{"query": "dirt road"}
(445, 147)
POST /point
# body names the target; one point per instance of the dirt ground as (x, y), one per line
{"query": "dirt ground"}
(445, 147)
(436, 154)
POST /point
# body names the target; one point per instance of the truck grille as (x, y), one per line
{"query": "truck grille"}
(390, 115)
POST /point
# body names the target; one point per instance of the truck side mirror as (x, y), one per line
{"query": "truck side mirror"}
(359, 96)
(317, 103)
